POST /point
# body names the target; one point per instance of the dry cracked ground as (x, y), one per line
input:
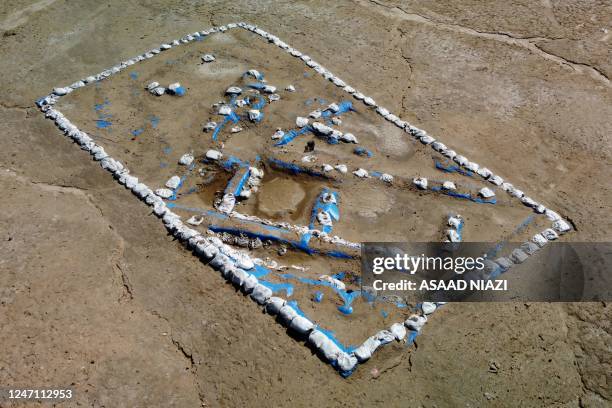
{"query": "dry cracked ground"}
(94, 295)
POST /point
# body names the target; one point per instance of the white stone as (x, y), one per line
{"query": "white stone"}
(173, 87)
(341, 168)
(387, 178)
(486, 192)
(225, 110)
(539, 240)
(208, 58)
(286, 315)
(334, 107)
(186, 159)
(274, 97)
(363, 173)
(214, 154)
(348, 138)
(269, 89)
(561, 226)
(398, 330)
(369, 101)
(227, 203)
(164, 192)
(152, 85)
(420, 182)
(415, 322)
(159, 91)
(346, 362)
(365, 351)
(290, 88)
(550, 234)
(195, 220)
(449, 185)
(496, 180)
(301, 121)
(261, 293)
(254, 115)
(233, 90)
(428, 307)
(278, 134)
(518, 256)
(173, 182)
(274, 305)
(236, 129)
(322, 129)
(301, 325)
(315, 114)
(327, 168)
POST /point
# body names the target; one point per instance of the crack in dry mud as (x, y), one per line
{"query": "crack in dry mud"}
(528, 43)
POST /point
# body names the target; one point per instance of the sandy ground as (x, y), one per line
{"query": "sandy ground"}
(94, 295)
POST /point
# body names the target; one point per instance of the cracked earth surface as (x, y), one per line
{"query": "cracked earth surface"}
(95, 295)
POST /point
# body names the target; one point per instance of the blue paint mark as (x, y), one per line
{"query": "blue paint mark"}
(237, 182)
(163, 165)
(317, 296)
(154, 120)
(294, 168)
(134, 75)
(320, 205)
(137, 132)
(180, 91)
(260, 271)
(308, 102)
(344, 106)
(384, 314)
(464, 196)
(452, 168)
(360, 151)
(103, 124)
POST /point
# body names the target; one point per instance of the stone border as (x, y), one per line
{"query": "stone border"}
(232, 263)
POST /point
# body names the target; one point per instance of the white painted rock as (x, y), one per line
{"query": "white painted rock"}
(346, 362)
(274, 97)
(387, 178)
(369, 101)
(225, 110)
(322, 129)
(363, 173)
(415, 322)
(428, 307)
(486, 192)
(214, 155)
(164, 192)
(195, 220)
(261, 294)
(152, 85)
(449, 185)
(159, 91)
(453, 235)
(301, 325)
(278, 134)
(233, 90)
(254, 115)
(342, 168)
(398, 330)
(420, 182)
(315, 114)
(301, 121)
(274, 305)
(227, 203)
(186, 159)
(208, 58)
(348, 138)
(290, 88)
(173, 182)
(327, 168)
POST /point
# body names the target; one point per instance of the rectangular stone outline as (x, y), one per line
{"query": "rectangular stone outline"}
(213, 251)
